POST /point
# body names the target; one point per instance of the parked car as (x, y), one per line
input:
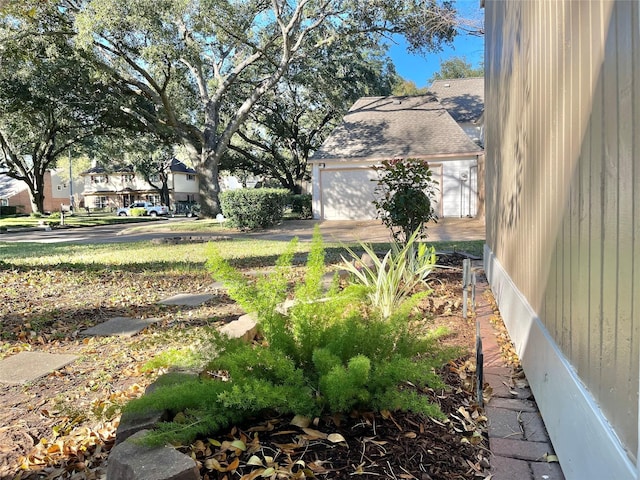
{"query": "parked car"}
(150, 209)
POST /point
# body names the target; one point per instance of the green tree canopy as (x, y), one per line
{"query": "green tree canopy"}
(456, 67)
(288, 124)
(191, 58)
(50, 98)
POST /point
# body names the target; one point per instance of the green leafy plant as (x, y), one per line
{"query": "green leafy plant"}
(251, 208)
(405, 189)
(324, 354)
(390, 280)
(138, 212)
(301, 205)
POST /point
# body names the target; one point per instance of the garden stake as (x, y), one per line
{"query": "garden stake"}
(479, 365)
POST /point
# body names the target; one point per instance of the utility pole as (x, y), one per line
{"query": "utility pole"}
(70, 183)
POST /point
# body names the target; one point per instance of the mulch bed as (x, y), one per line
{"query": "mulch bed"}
(364, 445)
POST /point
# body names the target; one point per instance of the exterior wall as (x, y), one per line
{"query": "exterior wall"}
(459, 188)
(563, 227)
(345, 191)
(184, 187)
(21, 200)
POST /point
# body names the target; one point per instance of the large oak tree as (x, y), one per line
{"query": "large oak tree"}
(190, 58)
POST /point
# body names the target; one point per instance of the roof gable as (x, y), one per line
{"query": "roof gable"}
(393, 127)
(462, 97)
(10, 186)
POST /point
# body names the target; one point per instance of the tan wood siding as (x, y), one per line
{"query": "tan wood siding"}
(563, 182)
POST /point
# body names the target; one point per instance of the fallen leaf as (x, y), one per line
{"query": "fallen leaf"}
(336, 438)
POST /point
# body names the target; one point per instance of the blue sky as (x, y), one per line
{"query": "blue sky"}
(420, 68)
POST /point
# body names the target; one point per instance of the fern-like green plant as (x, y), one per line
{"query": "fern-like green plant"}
(323, 355)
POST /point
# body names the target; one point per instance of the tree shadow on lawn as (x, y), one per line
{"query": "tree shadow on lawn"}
(333, 255)
(59, 322)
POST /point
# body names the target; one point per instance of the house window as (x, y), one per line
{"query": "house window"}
(127, 177)
(4, 202)
(99, 179)
(153, 199)
(155, 178)
(191, 178)
(100, 202)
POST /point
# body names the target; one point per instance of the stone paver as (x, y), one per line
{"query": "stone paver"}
(187, 299)
(131, 461)
(506, 447)
(244, 327)
(119, 326)
(506, 468)
(516, 404)
(26, 367)
(504, 423)
(547, 471)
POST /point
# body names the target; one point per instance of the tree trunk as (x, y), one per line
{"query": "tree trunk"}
(36, 196)
(209, 187)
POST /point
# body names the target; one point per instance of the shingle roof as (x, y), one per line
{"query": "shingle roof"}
(10, 186)
(462, 97)
(394, 127)
(176, 166)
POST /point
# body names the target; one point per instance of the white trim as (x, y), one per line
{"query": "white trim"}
(584, 441)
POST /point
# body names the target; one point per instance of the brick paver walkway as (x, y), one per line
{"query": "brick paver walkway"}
(518, 438)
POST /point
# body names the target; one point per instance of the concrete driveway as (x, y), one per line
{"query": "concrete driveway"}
(373, 231)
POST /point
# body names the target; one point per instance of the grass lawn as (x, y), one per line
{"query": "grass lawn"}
(76, 220)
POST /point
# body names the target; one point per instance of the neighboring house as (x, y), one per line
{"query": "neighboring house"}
(383, 128)
(464, 100)
(56, 192)
(562, 250)
(122, 186)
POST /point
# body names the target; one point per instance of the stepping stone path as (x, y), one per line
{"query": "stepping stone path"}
(119, 326)
(26, 367)
(187, 299)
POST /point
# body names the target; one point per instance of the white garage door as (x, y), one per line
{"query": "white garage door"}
(347, 194)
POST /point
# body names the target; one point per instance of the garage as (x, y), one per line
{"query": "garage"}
(384, 128)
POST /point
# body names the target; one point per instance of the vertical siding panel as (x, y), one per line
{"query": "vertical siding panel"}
(581, 331)
(566, 161)
(595, 209)
(551, 318)
(563, 94)
(626, 411)
(610, 221)
(635, 252)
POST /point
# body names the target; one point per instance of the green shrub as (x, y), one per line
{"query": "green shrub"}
(35, 215)
(54, 215)
(138, 212)
(301, 205)
(404, 190)
(251, 208)
(8, 210)
(323, 355)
